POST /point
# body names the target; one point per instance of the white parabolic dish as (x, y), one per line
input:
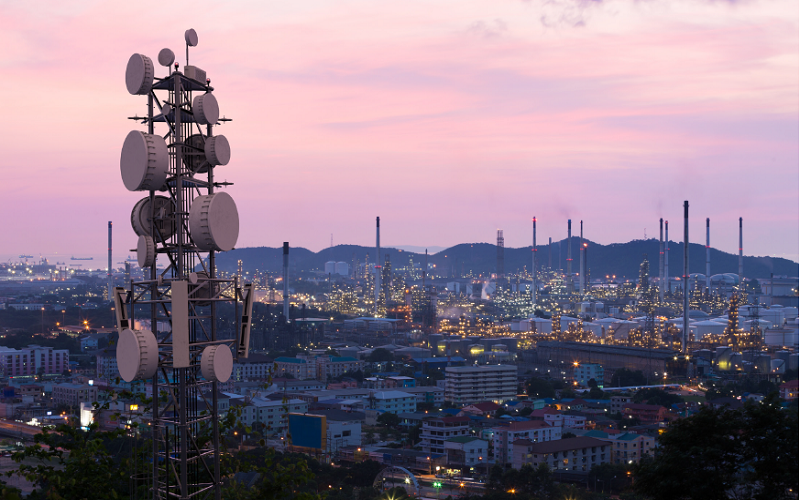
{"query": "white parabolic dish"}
(145, 251)
(166, 57)
(144, 162)
(218, 150)
(216, 364)
(139, 74)
(214, 222)
(137, 354)
(205, 109)
(140, 216)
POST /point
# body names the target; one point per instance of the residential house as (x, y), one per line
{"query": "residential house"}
(535, 431)
(574, 454)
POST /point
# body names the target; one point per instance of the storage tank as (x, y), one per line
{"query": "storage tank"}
(790, 313)
(777, 366)
(787, 337)
(774, 315)
(763, 363)
(343, 268)
(330, 267)
(703, 328)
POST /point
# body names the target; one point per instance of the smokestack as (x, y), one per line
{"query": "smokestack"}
(666, 257)
(533, 266)
(377, 241)
(581, 272)
(661, 261)
(110, 278)
(708, 255)
(286, 280)
(569, 256)
(550, 253)
(741, 257)
(501, 259)
(685, 338)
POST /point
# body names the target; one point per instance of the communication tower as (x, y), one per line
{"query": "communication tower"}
(181, 353)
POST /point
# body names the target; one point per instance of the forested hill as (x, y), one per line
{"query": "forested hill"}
(620, 259)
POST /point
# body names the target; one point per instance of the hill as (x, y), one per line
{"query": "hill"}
(620, 259)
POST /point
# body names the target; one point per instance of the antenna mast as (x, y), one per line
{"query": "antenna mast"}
(181, 354)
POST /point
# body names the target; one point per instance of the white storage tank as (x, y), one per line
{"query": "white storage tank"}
(342, 268)
(703, 328)
(330, 267)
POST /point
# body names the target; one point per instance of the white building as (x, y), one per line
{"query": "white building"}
(466, 451)
(437, 430)
(474, 384)
(270, 413)
(254, 367)
(33, 360)
(536, 431)
(393, 402)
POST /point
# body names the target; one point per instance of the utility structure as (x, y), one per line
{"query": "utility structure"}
(708, 256)
(685, 336)
(660, 261)
(501, 259)
(570, 284)
(183, 226)
(668, 283)
(286, 281)
(533, 266)
(377, 270)
(109, 276)
(741, 255)
(581, 272)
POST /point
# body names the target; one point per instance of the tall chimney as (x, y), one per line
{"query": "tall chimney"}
(550, 252)
(569, 256)
(286, 280)
(533, 265)
(377, 241)
(661, 260)
(708, 255)
(741, 257)
(109, 276)
(666, 257)
(685, 338)
(501, 258)
(581, 274)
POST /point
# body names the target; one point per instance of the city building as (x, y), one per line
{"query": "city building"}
(107, 364)
(73, 394)
(618, 402)
(253, 367)
(576, 454)
(474, 384)
(427, 394)
(33, 360)
(270, 414)
(584, 372)
(437, 430)
(393, 402)
(631, 448)
(535, 431)
(465, 451)
(647, 414)
(789, 390)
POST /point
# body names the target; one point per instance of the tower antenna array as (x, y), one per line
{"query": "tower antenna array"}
(184, 226)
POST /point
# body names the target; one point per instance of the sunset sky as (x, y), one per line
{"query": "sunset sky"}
(449, 119)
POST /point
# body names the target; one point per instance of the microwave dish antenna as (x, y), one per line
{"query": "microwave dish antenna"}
(181, 221)
(166, 57)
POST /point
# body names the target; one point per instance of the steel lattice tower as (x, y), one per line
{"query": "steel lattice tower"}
(182, 354)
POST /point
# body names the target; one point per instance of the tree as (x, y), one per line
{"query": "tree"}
(596, 393)
(655, 396)
(380, 354)
(539, 388)
(387, 419)
(722, 454)
(624, 378)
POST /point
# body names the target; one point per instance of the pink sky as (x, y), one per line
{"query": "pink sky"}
(449, 119)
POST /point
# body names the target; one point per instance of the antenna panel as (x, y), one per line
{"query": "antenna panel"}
(214, 222)
(164, 217)
(216, 363)
(218, 150)
(247, 316)
(191, 37)
(205, 109)
(166, 57)
(180, 324)
(146, 251)
(139, 75)
(137, 354)
(120, 310)
(144, 162)
(194, 157)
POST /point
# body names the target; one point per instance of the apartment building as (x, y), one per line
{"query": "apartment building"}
(576, 454)
(33, 360)
(437, 430)
(466, 385)
(536, 431)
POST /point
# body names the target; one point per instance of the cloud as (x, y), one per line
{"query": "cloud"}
(488, 30)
